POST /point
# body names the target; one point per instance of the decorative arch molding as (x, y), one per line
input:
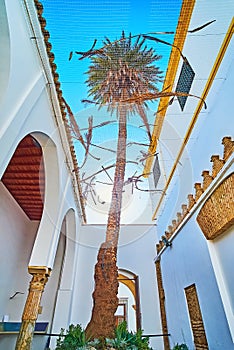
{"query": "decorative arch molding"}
(130, 280)
(49, 229)
(217, 214)
(67, 279)
(4, 49)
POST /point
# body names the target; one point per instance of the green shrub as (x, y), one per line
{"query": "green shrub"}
(127, 340)
(74, 339)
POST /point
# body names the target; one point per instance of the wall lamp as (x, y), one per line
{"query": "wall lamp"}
(166, 242)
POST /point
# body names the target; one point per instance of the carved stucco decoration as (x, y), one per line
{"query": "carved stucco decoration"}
(217, 214)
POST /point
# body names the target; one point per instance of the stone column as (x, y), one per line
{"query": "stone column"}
(40, 277)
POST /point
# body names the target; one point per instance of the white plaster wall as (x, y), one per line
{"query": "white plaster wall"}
(192, 259)
(223, 246)
(17, 237)
(5, 50)
(206, 140)
(187, 262)
(124, 292)
(22, 56)
(222, 260)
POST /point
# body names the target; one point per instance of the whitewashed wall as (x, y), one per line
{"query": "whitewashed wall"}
(25, 108)
(191, 258)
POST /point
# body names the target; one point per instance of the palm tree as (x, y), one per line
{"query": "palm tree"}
(119, 71)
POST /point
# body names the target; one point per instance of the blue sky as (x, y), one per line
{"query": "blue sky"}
(74, 24)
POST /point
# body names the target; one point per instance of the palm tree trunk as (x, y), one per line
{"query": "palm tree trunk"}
(105, 301)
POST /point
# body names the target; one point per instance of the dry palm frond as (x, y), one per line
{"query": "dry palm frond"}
(106, 168)
(91, 52)
(138, 143)
(100, 125)
(108, 175)
(73, 124)
(154, 96)
(189, 31)
(101, 202)
(144, 156)
(104, 148)
(89, 188)
(94, 43)
(93, 198)
(134, 180)
(131, 180)
(70, 56)
(89, 101)
(105, 183)
(201, 27)
(77, 134)
(167, 105)
(98, 172)
(146, 190)
(88, 137)
(149, 37)
(143, 116)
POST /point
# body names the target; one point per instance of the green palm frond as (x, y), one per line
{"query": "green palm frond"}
(123, 69)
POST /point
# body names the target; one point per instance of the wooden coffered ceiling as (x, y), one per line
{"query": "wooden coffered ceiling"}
(25, 178)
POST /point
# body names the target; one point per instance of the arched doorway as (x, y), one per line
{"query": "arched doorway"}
(57, 296)
(131, 281)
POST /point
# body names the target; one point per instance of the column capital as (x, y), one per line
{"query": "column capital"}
(42, 270)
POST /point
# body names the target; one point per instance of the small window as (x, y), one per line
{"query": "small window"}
(184, 82)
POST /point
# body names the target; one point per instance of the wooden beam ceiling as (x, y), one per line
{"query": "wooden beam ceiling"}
(25, 177)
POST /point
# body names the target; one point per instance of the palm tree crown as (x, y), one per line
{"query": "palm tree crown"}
(121, 70)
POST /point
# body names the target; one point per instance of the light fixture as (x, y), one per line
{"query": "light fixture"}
(166, 242)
